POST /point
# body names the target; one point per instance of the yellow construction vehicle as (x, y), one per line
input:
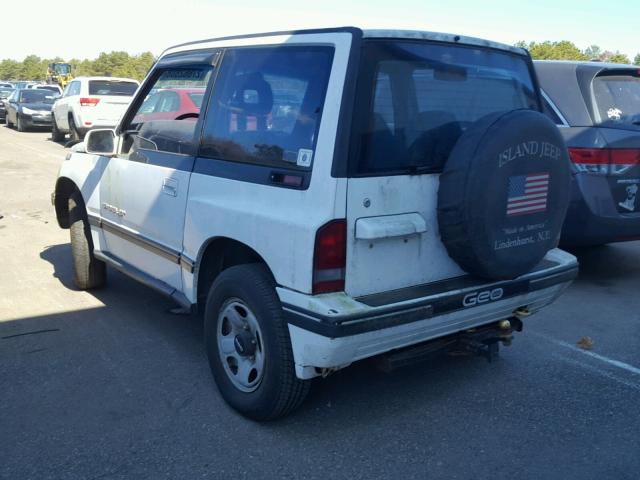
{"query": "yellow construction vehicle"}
(59, 74)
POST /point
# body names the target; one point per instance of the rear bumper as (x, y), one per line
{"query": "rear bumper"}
(89, 120)
(592, 218)
(334, 330)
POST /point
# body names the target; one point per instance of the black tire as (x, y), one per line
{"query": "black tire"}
(504, 193)
(75, 135)
(20, 124)
(88, 271)
(280, 391)
(56, 135)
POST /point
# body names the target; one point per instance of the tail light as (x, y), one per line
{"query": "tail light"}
(89, 102)
(330, 257)
(604, 161)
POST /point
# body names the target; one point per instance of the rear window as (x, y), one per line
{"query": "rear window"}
(112, 87)
(417, 98)
(617, 100)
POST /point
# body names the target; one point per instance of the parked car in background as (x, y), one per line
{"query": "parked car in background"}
(172, 104)
(341, 194)
(24, 84)
(6, 85)
(4, 94)
(28, 108)
(597, 107)
(53, 88)
(91, 102)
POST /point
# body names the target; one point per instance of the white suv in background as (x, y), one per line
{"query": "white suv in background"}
(326, 196)
(91, 102)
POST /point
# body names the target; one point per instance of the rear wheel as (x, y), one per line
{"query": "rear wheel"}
(89, 272)
(248, 344)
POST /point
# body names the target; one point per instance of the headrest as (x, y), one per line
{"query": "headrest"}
(253, 95)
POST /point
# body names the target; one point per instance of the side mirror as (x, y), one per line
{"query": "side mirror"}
(101, 142)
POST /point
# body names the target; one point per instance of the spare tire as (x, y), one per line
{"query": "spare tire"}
(504, 193)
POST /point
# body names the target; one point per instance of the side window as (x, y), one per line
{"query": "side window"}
(267, 105)
(67, 89)
(548, 110)
(166, 119)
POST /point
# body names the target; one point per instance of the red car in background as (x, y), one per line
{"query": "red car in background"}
(172, 104)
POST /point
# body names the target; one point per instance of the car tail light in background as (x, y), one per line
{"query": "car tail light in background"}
(89, 102)
(604, 161)
(330, 257)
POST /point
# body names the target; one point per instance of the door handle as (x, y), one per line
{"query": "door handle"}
(389, 226)
(170, 187)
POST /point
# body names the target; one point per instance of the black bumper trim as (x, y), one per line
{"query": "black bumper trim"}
(346, 325)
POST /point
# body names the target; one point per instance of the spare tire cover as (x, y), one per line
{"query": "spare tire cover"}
(504, 193)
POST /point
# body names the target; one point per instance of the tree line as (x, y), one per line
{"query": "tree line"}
(122, 64)
(565, 50)
(115, 64)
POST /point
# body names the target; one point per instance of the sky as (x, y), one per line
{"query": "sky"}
(135, 26)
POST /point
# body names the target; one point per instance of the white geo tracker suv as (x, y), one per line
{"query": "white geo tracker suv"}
(325, 196)
(91, 102)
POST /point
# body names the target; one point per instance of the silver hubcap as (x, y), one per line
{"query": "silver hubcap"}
(240, 345)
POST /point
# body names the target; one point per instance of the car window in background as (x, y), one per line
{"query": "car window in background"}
(425, 95)
(267, 106)
(37, 96)
(549, 111)
(5, 92)
(196, 98)
(74, 89)
(617, 100)
(112, 87)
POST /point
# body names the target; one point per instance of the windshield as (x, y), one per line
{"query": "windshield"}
(112, 87)
(62, 69)
(37, 96)
(417, 98)
(5, 92)
(617, 100)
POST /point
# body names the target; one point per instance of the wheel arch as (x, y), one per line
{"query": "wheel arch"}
(65, 187)
(216, 255)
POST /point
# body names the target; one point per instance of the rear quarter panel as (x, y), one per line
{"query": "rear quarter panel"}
(278, 223)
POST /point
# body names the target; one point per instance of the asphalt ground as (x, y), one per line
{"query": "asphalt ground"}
(110, 385)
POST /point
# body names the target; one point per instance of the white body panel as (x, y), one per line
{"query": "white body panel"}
(147, 201)
(395, 261)
(85, 171)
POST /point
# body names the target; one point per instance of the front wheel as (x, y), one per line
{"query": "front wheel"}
(74, 133)
(56, 135)
(248, 344)
(20, 124)
(89, 272)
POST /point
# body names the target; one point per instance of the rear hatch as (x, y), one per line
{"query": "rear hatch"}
(415, 98)
(108, 99)
(613, 96)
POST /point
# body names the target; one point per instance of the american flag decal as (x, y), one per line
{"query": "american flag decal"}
(527, 194)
